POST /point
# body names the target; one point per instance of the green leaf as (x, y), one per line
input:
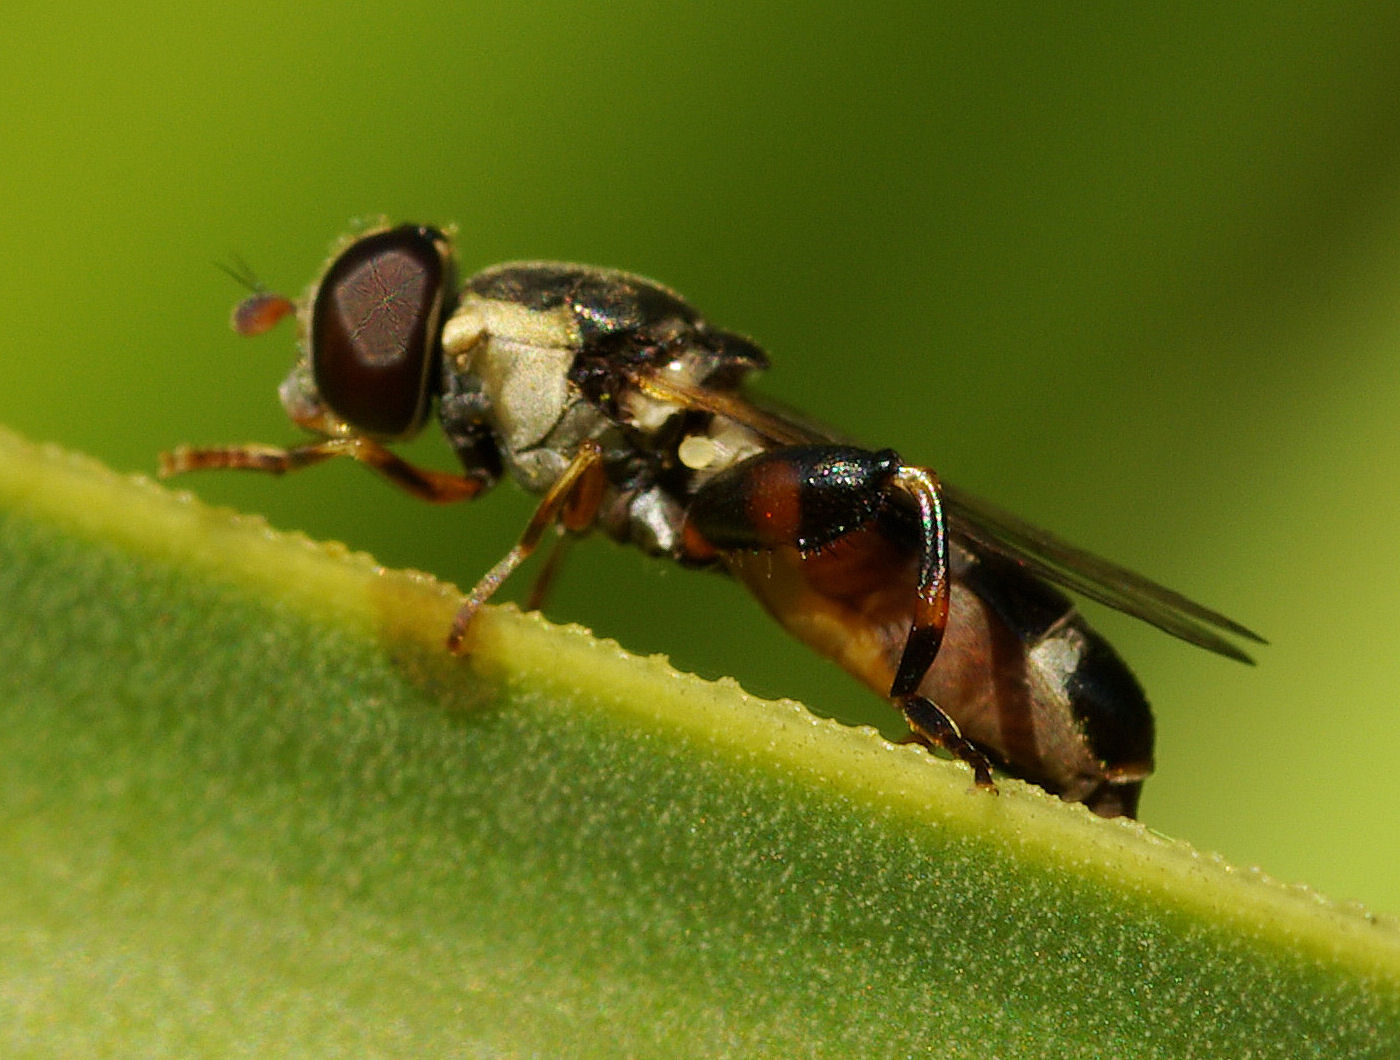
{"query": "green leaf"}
(251, 807)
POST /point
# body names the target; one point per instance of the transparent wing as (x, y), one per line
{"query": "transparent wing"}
(987, 528)
(990, 529)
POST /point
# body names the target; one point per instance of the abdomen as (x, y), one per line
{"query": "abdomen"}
(1019, 671)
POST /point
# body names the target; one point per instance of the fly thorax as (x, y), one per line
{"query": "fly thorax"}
(714, 443)
(521, 358)
(719, 445)
(537, 466)
(649, 519)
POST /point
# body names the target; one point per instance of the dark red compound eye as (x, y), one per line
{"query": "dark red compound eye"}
(375, 329)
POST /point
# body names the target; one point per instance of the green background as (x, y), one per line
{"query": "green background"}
(1135, 276)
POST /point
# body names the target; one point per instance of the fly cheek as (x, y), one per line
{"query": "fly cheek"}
(376, 329)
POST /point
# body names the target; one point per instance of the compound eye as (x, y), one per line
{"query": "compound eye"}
(375, 329)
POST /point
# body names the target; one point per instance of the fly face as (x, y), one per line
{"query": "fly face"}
(622, 407)
(371, 335)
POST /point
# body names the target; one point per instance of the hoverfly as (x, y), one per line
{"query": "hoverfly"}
(618, 403)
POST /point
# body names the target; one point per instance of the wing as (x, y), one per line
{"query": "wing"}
(990, 529)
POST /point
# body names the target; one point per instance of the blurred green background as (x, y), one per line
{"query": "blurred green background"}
(1135, 276)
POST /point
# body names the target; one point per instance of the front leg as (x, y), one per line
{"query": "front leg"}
(437, 487)
(813, 500)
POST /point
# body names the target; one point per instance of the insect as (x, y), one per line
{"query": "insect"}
(618, 403)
